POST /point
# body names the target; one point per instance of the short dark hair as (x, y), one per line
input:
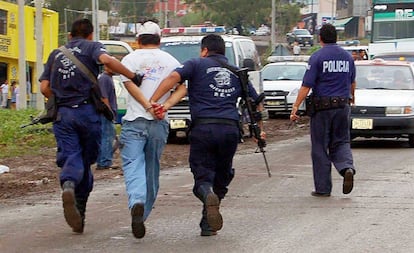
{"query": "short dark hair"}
(81, 28)
(149, 39)
(214, 43)
(328, 33)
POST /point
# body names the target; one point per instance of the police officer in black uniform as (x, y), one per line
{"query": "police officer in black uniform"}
(213, 91)
(331, 76)
(77, 128)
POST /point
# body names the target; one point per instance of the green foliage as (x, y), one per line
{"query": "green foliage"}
(30, 140)
(192, 19)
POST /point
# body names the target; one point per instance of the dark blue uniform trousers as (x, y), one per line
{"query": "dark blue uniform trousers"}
(212, 148)
(78, 135)
(330, 144)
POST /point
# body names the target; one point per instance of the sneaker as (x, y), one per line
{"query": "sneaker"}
(348, 181)
(137, 215)
(320, 194)
(214, 218)
(70, 211)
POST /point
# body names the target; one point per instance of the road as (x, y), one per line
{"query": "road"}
(260, 214)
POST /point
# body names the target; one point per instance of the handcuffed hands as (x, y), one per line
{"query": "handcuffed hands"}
(159, 110)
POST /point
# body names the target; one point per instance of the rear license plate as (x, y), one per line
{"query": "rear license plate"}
(362, 123)
(177, 123)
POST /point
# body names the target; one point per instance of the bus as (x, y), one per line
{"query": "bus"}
(392, 28)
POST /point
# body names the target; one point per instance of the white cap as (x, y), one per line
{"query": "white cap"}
(149, 27)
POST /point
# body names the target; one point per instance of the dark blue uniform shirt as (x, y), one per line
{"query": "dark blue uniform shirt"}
(106, 84)
(212, 90)
(328, 66)
(68, 83)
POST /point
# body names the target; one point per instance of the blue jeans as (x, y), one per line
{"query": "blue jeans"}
(78, 134)
(142, 142)
(106, 151)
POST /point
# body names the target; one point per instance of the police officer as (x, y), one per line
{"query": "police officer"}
(331, 76)
(77, 128)
(213, 91)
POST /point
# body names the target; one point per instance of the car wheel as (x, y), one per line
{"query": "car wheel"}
(411, 141)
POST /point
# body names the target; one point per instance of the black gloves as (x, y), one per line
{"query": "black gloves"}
(137, 79)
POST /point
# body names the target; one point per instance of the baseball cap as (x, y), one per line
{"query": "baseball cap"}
(149, 27)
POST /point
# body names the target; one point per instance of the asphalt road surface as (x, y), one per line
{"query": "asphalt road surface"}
(260, 214)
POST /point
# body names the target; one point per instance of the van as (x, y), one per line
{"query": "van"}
(184, 43)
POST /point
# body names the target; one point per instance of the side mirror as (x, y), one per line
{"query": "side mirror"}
(249, 64)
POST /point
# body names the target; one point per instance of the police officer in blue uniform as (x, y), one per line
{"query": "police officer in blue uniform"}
(331, 76)
(213, 91)
(77, 128)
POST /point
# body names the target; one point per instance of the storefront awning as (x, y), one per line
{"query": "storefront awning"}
(342, 22)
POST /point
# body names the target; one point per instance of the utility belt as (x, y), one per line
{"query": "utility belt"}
(203, 121)
(84, 102)
(315, 103)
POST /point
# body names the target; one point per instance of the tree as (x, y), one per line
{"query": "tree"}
(246, 13)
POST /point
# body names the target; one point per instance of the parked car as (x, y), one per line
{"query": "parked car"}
(396, 56)
(281, 83)
(384, 100)
(262, 31)
(301, 36)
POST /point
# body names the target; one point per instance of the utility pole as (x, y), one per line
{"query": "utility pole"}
(273, 26)
(95, 22)
(39, 53)
(22, 102)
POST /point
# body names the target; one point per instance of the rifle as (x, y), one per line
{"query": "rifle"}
(33, 121)
(261, 143)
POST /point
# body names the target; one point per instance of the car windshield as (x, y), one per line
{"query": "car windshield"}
(384, 77)
(283, 72)
(185, 50)
(301, 32)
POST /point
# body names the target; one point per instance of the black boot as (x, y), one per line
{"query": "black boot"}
(70, 210)
(211, 204)
(81, 205)
(206, 230)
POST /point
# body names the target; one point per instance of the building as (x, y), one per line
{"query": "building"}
(351, 17)
(9, 36)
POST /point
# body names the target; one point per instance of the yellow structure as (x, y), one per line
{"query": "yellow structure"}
(9, 49)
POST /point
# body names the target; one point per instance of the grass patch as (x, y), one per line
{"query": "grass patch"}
(18, 141)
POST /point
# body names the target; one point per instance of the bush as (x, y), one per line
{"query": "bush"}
(18, 141)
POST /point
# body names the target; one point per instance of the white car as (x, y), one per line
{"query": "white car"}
(281, 84)
(384, 100)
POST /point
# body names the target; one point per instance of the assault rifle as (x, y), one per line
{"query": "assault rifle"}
(261, 143)
(33, 121)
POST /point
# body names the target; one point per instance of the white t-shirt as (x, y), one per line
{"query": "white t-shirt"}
(4, 88)
(156, 65)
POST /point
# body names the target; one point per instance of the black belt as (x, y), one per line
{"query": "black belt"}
(203, 121)
(326, 103)
(84, 102)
